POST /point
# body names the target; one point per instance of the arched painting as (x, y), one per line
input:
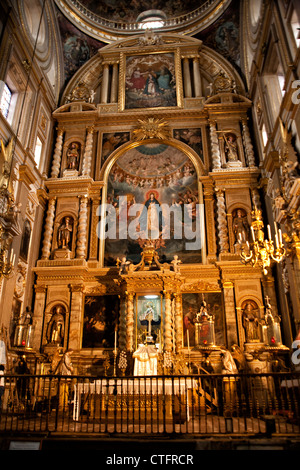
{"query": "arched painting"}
(152, 192)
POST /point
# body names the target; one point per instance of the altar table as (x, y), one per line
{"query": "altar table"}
(137, 388)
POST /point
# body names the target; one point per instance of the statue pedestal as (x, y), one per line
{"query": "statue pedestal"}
(62, 253)
(70, 174)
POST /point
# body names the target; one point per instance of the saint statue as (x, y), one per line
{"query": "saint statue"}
(73, 156)
(250, 323)
(55, 329)
(240, 227)
(65, 233)
(231, 150)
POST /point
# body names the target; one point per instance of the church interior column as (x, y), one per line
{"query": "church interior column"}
(57, 154)
(130, 321)
(75, 313)
(122, 322)
(48, 232)
(197, 77)
(39, 307)
(222, 222)
(82, 228)
(93, 231)
(168, 322)
(178, 322)
(114, 84)
(215, 148)
(87, 157)
(105, 83)
(230, 316)
(187, 78)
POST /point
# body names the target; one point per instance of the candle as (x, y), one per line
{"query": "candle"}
(252, 232)
(280, 237)
(269, 232)
(115, 341)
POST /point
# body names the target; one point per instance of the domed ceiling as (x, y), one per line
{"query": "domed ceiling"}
(109, 20)
(88, 25)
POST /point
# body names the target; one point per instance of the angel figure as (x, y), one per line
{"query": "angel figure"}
(176, 262)
(123, 265)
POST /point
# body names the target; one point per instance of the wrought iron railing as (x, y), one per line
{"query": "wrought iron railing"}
(260, 405)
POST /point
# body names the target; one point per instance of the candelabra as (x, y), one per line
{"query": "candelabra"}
(262, 251)
(6, 265)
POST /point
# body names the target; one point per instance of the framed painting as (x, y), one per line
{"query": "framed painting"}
(191, 303)
(100, 320)
(150, 81)
(111, 141)
(192, 138)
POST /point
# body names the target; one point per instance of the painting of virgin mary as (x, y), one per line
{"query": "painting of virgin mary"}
(151, 217)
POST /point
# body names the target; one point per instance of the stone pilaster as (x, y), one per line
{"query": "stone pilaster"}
(75, 321)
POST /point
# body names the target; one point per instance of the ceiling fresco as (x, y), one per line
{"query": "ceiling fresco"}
(79, 44)
(128, 10)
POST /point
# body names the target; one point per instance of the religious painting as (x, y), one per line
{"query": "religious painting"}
(148, 318)
(78, 48)
(150, 81)
(152, 193)
(24, 248)
(111, 141)
(191, 305)
(100, 320)
(192, 138)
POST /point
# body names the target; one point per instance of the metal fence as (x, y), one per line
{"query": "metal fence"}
(262, 404)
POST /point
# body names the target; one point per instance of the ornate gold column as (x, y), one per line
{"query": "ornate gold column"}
(168, 322)
(104, 85)
(187, 78)
(209, 202)
(48, 232)
(222, 221)
(87, 157)
(82, 228)
(122, 324)
(93, 231)
(215, 148)
(130, 321)
(114, 84)
(57, 154)
(248, 144)
(197, 77)
(178, 322)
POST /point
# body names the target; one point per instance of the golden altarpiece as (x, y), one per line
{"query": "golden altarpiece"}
(152, 127)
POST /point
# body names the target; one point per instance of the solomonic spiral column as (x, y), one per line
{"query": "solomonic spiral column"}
(129, 322)
(248, 144)
(222, 222)
(48, 229)
(178, 322)
(82, 225)
(57, 154)
(87, 157)
(122, 327)
(215, 149)
(168, 322)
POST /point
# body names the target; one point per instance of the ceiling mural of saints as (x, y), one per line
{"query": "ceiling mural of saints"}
(152, 193)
